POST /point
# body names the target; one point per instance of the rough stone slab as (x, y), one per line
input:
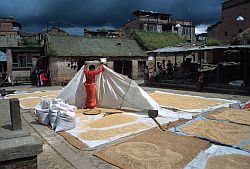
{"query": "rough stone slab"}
(4, 111)
(15, 114)
(9, 134)
(20, 147)
(78, 159)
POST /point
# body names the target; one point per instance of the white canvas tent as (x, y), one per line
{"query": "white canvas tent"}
(113, 90)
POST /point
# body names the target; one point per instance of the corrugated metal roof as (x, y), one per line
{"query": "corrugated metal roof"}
(196, 48)
(97, 47)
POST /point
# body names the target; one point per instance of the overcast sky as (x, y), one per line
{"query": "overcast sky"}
(74, 15)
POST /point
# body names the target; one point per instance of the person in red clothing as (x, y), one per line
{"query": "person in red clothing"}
(90, 86)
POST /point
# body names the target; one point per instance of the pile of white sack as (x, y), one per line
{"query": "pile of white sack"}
(54, 112)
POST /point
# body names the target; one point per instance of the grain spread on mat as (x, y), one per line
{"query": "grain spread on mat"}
(227, 133)
(241, 116)
(35, 94)
(105, 134)
(229, 161)
(29, 102)
(143, 155)
(112, 120)
(183, 101)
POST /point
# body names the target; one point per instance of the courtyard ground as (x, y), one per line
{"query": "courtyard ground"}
(58, 153)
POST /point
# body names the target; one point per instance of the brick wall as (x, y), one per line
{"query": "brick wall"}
(230, 27)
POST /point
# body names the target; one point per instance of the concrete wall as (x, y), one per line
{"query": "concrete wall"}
(60, 72)
(9, 40)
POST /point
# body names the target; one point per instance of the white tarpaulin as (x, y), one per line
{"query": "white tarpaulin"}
(199, 162)
(113, 90)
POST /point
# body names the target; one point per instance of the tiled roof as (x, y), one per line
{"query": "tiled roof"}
(96, 47)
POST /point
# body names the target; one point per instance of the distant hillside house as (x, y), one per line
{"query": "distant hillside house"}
(158, 22)
(103, 33)
(201, 37)
(234, 20)
(67, 54)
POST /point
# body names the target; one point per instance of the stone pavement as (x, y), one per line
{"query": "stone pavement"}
(58, 153)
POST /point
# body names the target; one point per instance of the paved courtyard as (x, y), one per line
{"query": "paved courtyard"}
(58, 153)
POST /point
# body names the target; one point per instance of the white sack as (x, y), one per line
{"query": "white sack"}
(45, 103)
(66, 120)
(42, 114)
(55, 107)
(53, 111)
(113, 90)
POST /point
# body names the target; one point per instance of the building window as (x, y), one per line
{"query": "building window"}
(225, 33)
(240, 30)
(22, 61)
(186, 31)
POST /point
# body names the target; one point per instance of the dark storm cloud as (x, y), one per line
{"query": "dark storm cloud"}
(34, 14)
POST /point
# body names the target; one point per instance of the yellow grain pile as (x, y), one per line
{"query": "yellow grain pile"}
(112, 120)
(143, 155)
(230, 161)
(29, 102)
(105, 134)
(231, 114)
(35, 94)
(227, 133)
(184, 102)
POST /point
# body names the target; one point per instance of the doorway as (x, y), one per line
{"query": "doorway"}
(123, 67)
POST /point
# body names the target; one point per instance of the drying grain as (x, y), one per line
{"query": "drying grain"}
(105, 134)
(229, 161)
(34, 94)
(241, 116)
(176, 150)
(142, 155)
(29, 102)
(227, 133)
(184, 102)
(112, 120)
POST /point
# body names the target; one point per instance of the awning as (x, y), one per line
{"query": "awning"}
(3, 57)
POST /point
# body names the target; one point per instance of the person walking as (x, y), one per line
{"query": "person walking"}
(90, 86)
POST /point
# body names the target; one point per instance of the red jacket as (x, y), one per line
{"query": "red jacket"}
(90, 74)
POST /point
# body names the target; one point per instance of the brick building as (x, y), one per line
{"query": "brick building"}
(158, 22)
(67, 54)
(234, 20)
(9, 32)
(22, 50)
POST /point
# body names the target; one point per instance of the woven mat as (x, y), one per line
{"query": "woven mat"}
(241, 116)
(73, 140)
(161, 149)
